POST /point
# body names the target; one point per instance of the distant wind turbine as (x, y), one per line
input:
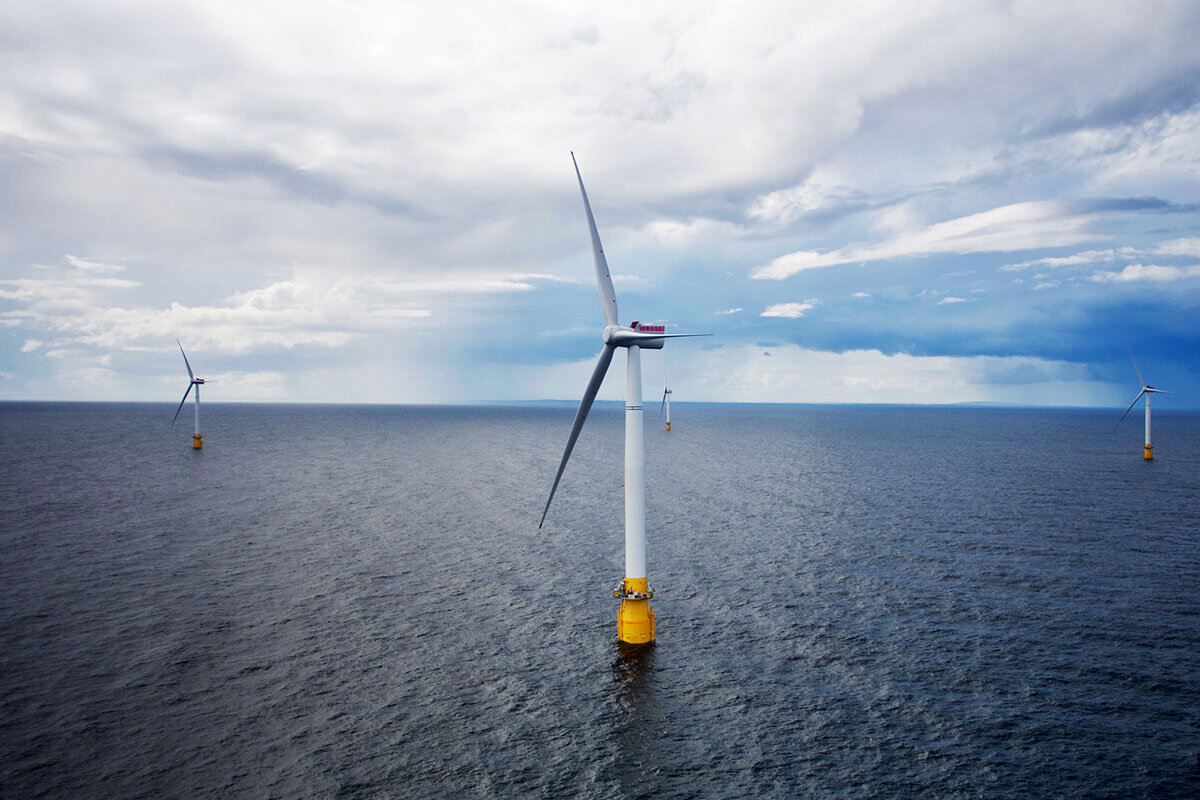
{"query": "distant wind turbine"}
(197, 442)
(1148, 451)
(635, 620)
(666, 401)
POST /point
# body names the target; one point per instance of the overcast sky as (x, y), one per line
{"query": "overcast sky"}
(374, 202)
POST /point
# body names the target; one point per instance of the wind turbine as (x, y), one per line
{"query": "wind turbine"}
(197, 442)
(635, 620)
(1148, 451)
(666, 401)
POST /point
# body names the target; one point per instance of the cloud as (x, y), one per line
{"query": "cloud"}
(677, 235)
(1180, 247)
(307, 309)
(79, 311)
(1020, 226)
(861, 294)
(1086, 257)
(59, 291)
(31, 345)
(737, 310)
(87, 265)
(788, 310)
(799, 375)
(248, 386)
(322, 192)
(1147, 272)
(948, 300)
(818, 193)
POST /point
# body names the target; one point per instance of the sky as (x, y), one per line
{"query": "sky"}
(357, 201)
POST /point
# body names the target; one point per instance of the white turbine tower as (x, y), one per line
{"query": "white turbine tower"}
(197, 442)
(635, 621)
(1148, 450)
(666, 401)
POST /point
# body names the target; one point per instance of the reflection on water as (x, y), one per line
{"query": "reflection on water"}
(632, 666)
(641, 723)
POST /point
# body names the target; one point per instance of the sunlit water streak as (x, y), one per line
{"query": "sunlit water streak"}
(357, 602)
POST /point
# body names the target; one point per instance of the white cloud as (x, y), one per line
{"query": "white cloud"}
(305, 310)
(247, 386)
(948, 300)
(1154, 152)
(1020, 226)
(1086, 257)
(861, 294)
(31, 345)
(678, 235)
(788, 310)
(798, 375)
(729, 311)
(1147, 272)
(205, 153)
(88, 265)
(1180, 247)
(817, 192)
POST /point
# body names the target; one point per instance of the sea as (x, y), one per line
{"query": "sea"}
(357, 602)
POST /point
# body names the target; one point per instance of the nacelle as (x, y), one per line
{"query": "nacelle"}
(649, 337)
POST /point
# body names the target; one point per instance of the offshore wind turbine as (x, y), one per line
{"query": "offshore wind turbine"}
(195, 382)
(1148, 450)
(635, 620)
(666, 401)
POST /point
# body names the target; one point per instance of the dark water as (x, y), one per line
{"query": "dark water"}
(357, 602)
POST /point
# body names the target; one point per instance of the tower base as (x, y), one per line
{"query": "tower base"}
(197, 442)
(668, 426)
(1148, 452)
(635, 620)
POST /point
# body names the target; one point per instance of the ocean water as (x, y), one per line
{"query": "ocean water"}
(357, 602)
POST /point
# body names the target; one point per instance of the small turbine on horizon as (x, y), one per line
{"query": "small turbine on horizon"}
(666, 401)
(197, 442)
(635, 620)
(1148, 451)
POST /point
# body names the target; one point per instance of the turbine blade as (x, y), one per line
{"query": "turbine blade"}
(185, 361)
(664, 402)
(1138, 371)
(181, 402)
(585, 405)
(1131, 405)
(604, 282)
(645, 335)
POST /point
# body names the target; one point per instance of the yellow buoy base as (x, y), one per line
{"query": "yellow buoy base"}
(668, 426)
(635, 620)
(1148, 453)
(197, 442)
